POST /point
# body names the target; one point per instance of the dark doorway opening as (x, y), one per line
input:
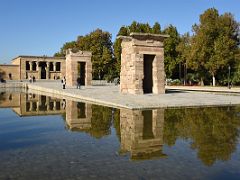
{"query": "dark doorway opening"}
(81, 110)
(43, 106)
(58, 66)
(34, 66)
(82, 72)
(148, 74)
(43, 66)
(147, 124)
(27, 66)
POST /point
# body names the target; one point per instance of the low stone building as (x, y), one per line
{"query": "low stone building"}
(31, 104)
(42, 67)
(142, 64)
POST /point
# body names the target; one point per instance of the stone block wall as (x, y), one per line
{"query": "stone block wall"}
(132, 62)
(73, 121)
(72, 60)
(132, 127)
(10, 69)
(10, 100)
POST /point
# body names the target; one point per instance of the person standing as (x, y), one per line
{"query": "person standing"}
(33, 79)
(78, 82)
(64, 82)
(30, 79)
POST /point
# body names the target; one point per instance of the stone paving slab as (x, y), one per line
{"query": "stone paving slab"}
(205, 89)
(110, 96)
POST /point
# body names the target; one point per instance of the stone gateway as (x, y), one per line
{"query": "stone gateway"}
(142, 64)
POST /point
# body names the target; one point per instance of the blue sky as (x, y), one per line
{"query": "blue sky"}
(41, 27)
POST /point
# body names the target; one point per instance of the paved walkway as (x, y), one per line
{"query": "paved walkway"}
(205, 89)
(110, 96)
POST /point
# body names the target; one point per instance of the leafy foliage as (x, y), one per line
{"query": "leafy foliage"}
(214, 43)
(125, 31)
(213, 47)
(100, 44)
(171, 62)
(213, 131)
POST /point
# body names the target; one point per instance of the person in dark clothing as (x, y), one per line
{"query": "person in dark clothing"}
(64, 82)
(33, 79)
(78, 83)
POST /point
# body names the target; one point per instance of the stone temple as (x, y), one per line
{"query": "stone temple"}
(142, 64)
(49, 68)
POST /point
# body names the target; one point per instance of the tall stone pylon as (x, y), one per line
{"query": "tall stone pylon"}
(142, 64)
(78, 64)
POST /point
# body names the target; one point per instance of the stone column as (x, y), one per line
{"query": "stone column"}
(31, 106)
(39, 100)
(39, 69)
(47, 103)
(30, 65)
(54, 105)
(37, 106)
(47, 70)
(54, 66)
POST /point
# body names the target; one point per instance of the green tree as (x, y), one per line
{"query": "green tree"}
(214, 42)
(213, 131)
(236, 74)
(156, 29)
(171, 62)
(125, 31)
(100, 44)
(68, 45)
(183, 49)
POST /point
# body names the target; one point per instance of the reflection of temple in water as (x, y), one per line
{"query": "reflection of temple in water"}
(32, 104)
(142, 133)
(78, 115)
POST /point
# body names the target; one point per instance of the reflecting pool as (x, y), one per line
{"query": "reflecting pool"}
(48, 138)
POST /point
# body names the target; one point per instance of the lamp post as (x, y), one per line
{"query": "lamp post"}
(229, 69)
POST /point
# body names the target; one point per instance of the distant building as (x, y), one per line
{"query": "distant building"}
(41, 67)
(74, 65)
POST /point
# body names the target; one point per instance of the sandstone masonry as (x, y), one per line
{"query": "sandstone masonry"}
(142, 64)
(78, 63)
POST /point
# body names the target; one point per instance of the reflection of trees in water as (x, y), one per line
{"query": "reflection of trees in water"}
(116, 123)
(102, 119)
(213, 131)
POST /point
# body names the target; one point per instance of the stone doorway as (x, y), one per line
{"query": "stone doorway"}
(147, 124)
(82, 72)
(142, 64)
(148, 73)
(81, 110)
(78, 63)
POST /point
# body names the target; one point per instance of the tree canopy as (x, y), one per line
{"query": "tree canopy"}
(100, 44)
(207, 53)
(214, 43)
(125, 31)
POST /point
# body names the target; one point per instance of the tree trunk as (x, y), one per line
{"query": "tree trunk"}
(213, 81)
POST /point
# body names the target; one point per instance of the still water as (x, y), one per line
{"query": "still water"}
(47, 138)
